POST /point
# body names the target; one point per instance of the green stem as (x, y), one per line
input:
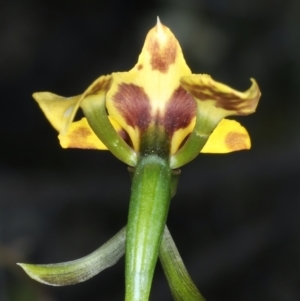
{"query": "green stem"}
(149, 204)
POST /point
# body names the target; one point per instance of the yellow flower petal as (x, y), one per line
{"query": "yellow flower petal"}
(98, 89)
(180, 135)
(59, 110)
(216, 100)
(158, 97)
(80, 135)
(228, 136)
(140, 97)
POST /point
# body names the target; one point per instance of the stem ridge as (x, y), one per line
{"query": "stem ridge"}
(149, 205)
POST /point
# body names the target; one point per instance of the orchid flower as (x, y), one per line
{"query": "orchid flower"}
(155, 118)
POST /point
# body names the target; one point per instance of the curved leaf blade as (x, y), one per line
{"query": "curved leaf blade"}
(82, 269)
(182, 286)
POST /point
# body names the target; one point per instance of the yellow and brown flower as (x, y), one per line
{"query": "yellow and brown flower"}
(156, 102)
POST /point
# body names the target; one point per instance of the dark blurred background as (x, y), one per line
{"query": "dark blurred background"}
(235, 218)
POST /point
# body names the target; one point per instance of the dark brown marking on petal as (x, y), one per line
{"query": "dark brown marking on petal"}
(227, 101)
(236, 141)
(133, 104)
(102, 85)
(162, 56)
(140, 66)
(180, 110)
(124, 135)
(183, 142)
(78, 138)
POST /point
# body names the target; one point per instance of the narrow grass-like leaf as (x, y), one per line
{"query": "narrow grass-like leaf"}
(180, 282)
(72, 272)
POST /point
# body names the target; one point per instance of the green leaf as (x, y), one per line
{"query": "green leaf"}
(72, 272)
(180, 282)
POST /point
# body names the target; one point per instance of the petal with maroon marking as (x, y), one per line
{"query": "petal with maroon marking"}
(216, 100)
(163, 66)
(149, 85)
(80, 135)
(179, 118)
(131, 109)
(180, 111)
(228, 136)
(179, 137)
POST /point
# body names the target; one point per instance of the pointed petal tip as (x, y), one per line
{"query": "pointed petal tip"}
(255, 87)
(159, 27)
(254, 93)
(38, 96)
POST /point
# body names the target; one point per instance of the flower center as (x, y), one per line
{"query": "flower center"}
(155, 141)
